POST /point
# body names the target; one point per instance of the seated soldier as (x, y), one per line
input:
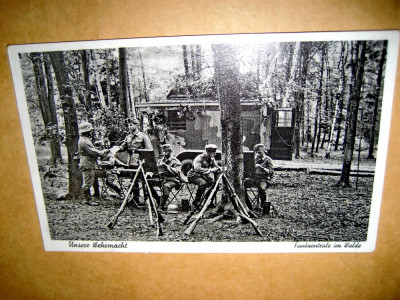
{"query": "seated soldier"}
(202, 172)
(110, 162)
(263, 176)
(169, 167)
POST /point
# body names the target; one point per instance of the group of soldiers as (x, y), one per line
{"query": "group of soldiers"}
(203, 173)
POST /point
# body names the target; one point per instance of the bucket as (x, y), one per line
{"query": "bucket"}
(185, 205)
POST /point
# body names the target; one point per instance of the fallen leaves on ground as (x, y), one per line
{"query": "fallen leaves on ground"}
(305, 208)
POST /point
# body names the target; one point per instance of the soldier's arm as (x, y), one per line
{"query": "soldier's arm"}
(91, 150)
(123, 146)
(198, 168)
(175, 166)
(267, 164)
(146, 142)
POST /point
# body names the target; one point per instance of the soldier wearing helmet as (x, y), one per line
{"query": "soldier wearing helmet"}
(168, 166)
(88, 160)
(263, 176)
(202, 172)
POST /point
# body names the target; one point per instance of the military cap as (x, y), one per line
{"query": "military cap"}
(85, 127)
(211, 147)
(258, 146)
(166, 147)
(132, 121)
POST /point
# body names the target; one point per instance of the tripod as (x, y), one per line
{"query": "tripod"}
(237, 204)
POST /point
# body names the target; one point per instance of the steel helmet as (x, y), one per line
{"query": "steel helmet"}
(172, 208)
(85, 127)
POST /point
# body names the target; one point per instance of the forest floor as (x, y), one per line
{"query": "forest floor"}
(307, 207)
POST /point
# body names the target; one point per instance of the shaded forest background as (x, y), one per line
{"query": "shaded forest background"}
(335, 88)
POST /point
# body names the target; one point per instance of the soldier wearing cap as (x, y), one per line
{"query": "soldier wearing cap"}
(168, 166)
(202, 172)
(88, 154)
(135, 140)
(263, 176)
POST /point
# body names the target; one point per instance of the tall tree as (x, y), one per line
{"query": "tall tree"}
(54, 131)
(44, 87)
(146, 98)
(343, 89)
(227, 78)
(108, 76)
(186, 66)
(317, 118)
(85, 59)
(299, 109)
(354, 100)
(70, 120)
(123, 82)
(377, 96)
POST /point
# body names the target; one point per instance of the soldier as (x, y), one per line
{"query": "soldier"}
(169, 167)
(88, 160)
(263, 176)
(202, 172)
(135, 140)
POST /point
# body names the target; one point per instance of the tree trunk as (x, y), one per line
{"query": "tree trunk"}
(343, 62)
(319, 99)
(109, 101)
(44, 87)
(353, 72)
(193, 61)
(146, 98)
(304, 50)
(55, 136)
(199, 64)
(86, 81)
(186, 66)
(227, 78)
(123, 83)
(328, 151)
(70, 120)
(41, 88)
(354, 100)
(376, 104)
(317, 121)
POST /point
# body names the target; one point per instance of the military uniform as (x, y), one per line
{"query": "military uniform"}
(170, 179)
(134, 141)
(262, 178)
(88, 155)
(201, 173)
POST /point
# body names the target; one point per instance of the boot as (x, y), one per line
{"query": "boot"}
(88, 199)
(164, 200)
(197, 199)
(266, 207)
(248, 202)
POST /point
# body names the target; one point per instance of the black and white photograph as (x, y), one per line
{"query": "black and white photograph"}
(243, 143)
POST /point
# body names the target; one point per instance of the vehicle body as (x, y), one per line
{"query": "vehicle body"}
(193, 123)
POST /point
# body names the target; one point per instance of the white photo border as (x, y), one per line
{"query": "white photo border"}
(213, 247)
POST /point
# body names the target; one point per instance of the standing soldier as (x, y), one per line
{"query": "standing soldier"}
(88, 154)
(202, 172)
(169, 167)
(135, 140)
(263, 176)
